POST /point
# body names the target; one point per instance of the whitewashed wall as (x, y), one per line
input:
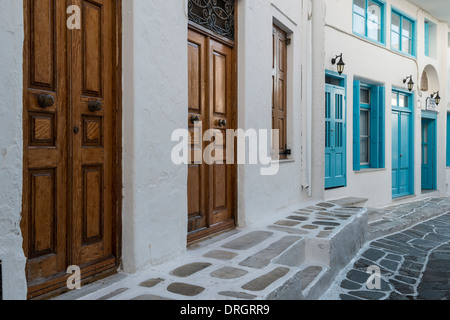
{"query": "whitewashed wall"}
(11, 149)
(378, 64)
(155, 96)
(261, 198)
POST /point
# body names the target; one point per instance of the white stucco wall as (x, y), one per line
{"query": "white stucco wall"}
(261, 197)
(11, 149)
(378, 64)
(155, 96)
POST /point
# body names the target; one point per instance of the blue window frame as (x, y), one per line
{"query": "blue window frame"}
(368, 126)
(427, 38)
(448, 139)
(403, 30)
(369, 19)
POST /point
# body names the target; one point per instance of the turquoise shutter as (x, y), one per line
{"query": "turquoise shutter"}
(374, 127)
(427, 39)
(356, 131)
(382, 126)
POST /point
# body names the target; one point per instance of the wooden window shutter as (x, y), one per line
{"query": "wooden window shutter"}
(279, 76)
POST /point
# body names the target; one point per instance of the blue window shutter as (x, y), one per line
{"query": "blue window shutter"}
(356, 133)
(427, 39)
(382, 126)
(374, 128)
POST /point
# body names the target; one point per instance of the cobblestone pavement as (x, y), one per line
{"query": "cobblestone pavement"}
(249, 264)
(414, 264)
(298, 257)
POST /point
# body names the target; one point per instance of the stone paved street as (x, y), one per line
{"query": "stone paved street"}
(299, 256)
(414, 264)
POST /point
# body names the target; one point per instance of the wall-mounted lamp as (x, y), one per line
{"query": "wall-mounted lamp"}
(410, 83)
(436, 97)
(340, 64)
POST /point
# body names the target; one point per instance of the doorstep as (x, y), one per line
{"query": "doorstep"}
(295, 258)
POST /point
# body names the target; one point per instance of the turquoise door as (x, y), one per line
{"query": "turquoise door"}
(402, 150)
(335, 137)
(428, 154)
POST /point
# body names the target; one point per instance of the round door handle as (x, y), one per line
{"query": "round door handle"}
(222, 123)
(195, 119)
(46, 100)
(76, 130)
(95, 106)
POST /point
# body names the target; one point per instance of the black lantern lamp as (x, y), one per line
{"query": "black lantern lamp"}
(410, 83)
(340, 64)
(436, 97)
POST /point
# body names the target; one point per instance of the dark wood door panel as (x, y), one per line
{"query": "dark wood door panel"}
(71, 140)
(211, 187)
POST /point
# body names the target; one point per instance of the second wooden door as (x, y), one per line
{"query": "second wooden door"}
(211, 187)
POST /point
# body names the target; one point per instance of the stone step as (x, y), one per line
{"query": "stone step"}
(350, 202)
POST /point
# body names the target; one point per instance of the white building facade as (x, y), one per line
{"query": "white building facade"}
(264, 65)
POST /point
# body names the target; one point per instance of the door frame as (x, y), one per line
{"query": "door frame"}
(57, 285)
(431, 117)
(211, 232)
(342, 85)
(411, 148)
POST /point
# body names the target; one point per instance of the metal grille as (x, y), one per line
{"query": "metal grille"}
(215, 15)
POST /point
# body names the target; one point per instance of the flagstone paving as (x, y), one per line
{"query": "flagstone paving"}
(275, 262)
(414, 264)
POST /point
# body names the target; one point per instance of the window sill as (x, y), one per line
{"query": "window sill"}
(284, 160)
(370, 170)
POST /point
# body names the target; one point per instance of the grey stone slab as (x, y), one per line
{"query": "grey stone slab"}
(350, 285)
(221, 255)
(185, 289)
(310, 227)
(348, 297)
(248, 240)
(297, 218)
(228, 273)
(238, 295)
(401, 287)
(405, 279)
(189, 269)
(113, 294)
(326, 223)
(325, 205)
(390, 265)
(358, 276)
(151, 283)
(394, 257)
(369, 295)
(266, 280)
(287, 223)
(264, 257)
(309, 275)
(289, 230)
(149, 297)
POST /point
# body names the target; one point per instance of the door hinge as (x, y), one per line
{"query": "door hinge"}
(288, 41)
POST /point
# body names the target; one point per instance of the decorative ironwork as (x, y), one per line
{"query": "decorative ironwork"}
(215, 15)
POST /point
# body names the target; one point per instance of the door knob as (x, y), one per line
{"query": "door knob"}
(46, 100)
(222, 123)
(95, 106)
(195, 119)
(76, 130)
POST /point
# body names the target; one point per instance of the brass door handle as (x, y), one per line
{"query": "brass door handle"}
(46, 100)
(95, 106)
(222, 123)
(195, 119)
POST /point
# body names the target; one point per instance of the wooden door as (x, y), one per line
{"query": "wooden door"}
(335, 136)
(211, 187)
(71, 200)
(428, 154)
(401, 154)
